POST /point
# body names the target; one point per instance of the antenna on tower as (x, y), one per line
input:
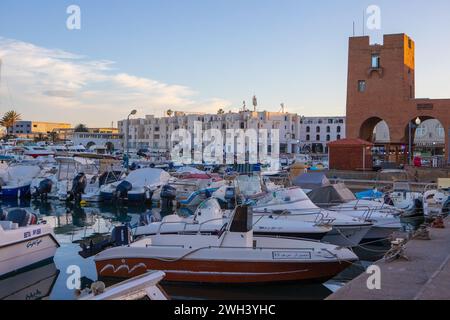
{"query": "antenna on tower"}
(282, 107)
(255, 103)
(363, 26)
(353, 28)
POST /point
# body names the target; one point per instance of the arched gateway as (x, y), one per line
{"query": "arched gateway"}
(381, 87)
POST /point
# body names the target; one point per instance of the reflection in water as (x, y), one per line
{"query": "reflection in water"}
(289, 291)
(35, 284)
(74, 223)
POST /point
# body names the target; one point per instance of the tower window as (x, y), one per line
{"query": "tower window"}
(361, 85)
(375, 61)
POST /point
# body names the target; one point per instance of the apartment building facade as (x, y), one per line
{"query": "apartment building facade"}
(317, 132)
(155, 133)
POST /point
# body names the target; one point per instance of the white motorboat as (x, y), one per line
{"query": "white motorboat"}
(37, 151)
(73, 177)
(437, 201)
(293, 204)
(404, 199)
(138, 186)
(209, 218)
(234, 255)
(339, 199)
(143, 286)
(15, 180)
(24, 243)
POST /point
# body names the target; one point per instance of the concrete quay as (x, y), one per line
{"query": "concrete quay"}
(425, 276)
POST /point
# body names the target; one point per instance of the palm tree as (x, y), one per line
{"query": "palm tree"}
(81, 128)
(220, 111)
(9, 120)
(169, 112)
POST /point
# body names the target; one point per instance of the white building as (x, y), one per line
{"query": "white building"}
(108, 140)
(155, 133)
(317, 132)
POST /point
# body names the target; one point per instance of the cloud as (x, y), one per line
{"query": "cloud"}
(56, 85)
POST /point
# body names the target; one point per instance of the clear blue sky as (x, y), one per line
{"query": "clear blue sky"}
(200, 54)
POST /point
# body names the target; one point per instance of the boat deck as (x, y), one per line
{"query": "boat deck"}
(426, 276)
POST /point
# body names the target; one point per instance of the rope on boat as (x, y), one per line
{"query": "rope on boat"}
(396, 252)
(361, 246)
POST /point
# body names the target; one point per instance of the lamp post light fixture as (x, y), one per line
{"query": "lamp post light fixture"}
(412, 126)
(127, 133)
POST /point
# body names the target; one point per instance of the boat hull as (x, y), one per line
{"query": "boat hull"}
(20, 256)
(347, 236)
(15, 192)
(214, 271)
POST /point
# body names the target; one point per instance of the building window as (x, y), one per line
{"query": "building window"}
(409, 43)
(376, 61)
(338, 137)
(317, 129)
(338, 129)
(308, 138)
(308, 129)
(421, 131)
(318, 137)
(361, 85)
(328, 129)
(328, 137)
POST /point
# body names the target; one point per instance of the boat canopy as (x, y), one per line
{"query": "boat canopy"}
(311, 180)
(332, 194)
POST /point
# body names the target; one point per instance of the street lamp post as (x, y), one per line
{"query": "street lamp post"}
(127, 144)
(412, 126)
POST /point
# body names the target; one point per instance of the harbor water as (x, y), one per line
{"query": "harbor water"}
(55, 281)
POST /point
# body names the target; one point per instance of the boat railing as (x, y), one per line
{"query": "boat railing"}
(321, 216)
(366, 214)
(187, 223)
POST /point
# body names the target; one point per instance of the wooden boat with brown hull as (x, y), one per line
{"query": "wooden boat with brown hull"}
(223, 271)
(232, 256)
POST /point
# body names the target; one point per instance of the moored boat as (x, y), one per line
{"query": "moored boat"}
(24, 243)
(234, 255)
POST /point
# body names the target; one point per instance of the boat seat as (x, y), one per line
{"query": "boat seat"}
(172, 218)
(9, 225)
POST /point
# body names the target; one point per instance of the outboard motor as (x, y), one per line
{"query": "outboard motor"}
(122, 189)
(168, 195)
(20, 216)
(149, 217)
(44, 188)
(230, 197)
(418, 208)
(79, 184)
(121, 236)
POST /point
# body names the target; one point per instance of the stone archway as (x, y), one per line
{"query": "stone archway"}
(366, 131)
(428, 140)
(90, 144)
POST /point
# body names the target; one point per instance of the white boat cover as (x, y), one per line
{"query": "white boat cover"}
(20, 173)
(188, 169)
(147, 177)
